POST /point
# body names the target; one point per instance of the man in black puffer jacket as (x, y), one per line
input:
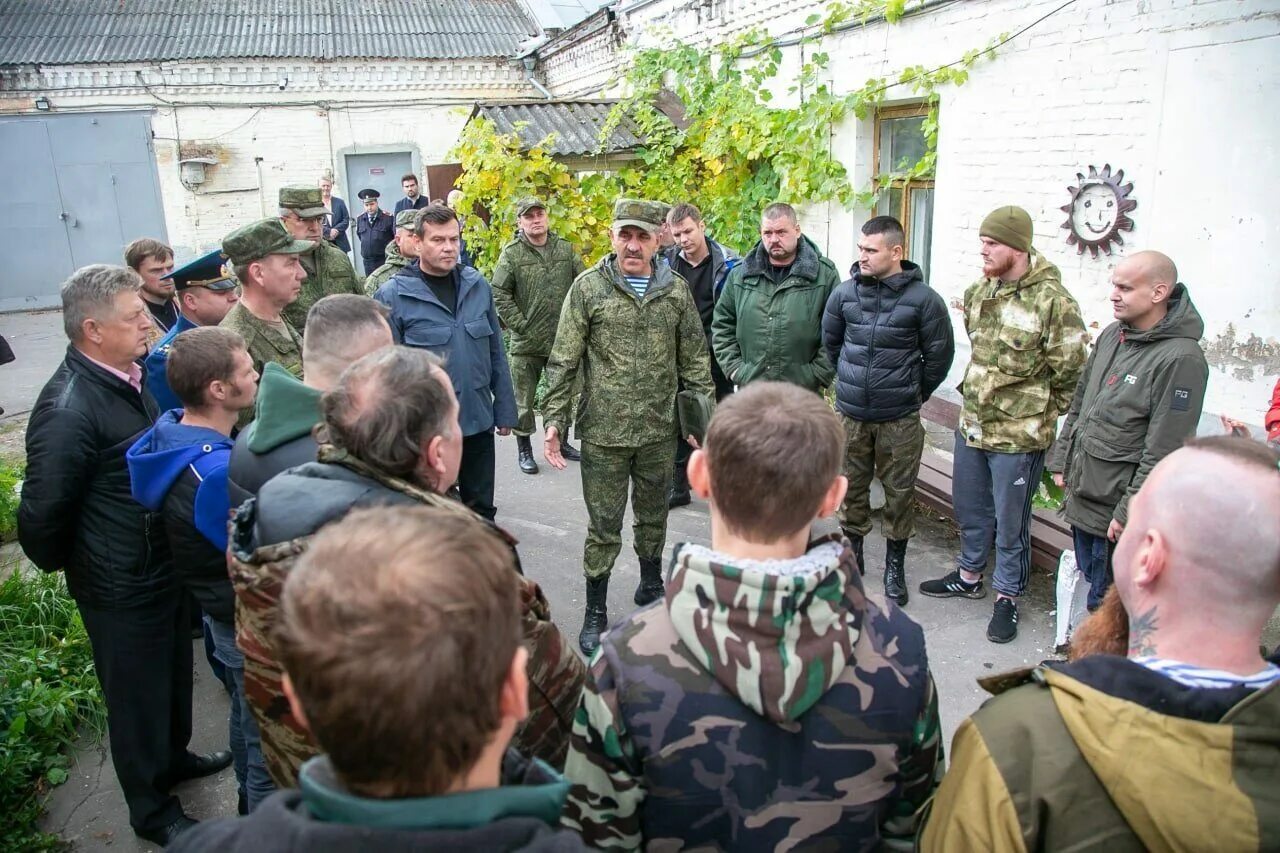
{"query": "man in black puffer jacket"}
(77, 515)
(889, 336)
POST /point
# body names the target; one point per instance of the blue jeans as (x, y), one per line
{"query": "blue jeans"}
(1093, 558)
(246, 744)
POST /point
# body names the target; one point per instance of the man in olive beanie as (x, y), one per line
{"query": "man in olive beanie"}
(1028, 346)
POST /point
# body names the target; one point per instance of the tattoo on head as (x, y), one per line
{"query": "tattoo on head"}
(1142, 627)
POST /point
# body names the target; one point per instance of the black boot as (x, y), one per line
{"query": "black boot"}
(650, 588)
(525, 450)
(679, 494)
(568, 451)
(596, 618)
(855, 544)
(895, 570)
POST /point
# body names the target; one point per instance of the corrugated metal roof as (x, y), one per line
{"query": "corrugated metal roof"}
(65, 32)
(576, 124)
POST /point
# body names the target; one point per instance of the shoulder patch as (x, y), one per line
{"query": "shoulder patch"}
(1181, 401)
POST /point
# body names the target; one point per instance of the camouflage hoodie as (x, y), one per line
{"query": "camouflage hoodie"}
(762, 705)
(1028, 346)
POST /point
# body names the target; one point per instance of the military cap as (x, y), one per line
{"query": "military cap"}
(528, 203)
(304, 201)
(207, 272)
(406, 218)
(262, 238)
(635, 211)
(366, 194)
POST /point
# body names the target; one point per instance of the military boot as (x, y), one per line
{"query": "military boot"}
(650, 588)
(679, 494)
(596, 618)
(524, 449)
(855, 544)
(895, 570)
(568, 451)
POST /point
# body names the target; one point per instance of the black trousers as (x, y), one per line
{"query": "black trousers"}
(372, 263)
(475, 475)
(143, 660)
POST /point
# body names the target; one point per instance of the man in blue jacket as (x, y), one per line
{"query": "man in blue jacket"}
(178, 468)
(205, 293)
(448, 309)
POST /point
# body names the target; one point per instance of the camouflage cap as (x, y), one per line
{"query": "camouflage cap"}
(407, 218)
(304, 201)
(528, 203)
(262, 238)
(636, 211)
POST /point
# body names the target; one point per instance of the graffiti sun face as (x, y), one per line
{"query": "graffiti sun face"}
(1098, 211)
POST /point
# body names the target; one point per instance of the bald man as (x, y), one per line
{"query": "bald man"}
(1138, 400)
(1175, 745)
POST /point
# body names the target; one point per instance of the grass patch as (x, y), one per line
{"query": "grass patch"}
(48, 694)
(11, 474)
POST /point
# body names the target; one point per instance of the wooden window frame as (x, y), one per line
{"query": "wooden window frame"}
(903, 214)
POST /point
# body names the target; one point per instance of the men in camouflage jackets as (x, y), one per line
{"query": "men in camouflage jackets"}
(764, 704)
(328, 268)
(530, 281)
(630, 326)
(270, 532)
(1028, 346)
(401, 252)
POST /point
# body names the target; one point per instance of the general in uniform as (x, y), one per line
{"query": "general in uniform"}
(328, 268)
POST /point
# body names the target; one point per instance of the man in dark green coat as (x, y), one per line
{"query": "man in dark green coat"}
(530, 281)
(631, 328)
(328, 269)
(768, 320)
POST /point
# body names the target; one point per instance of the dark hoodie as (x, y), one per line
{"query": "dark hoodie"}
(891, 342)
(181, 472)
(279, 437)
(1137, 401)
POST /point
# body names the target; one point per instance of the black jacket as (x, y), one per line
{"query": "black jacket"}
(77, 513)
(891, 342)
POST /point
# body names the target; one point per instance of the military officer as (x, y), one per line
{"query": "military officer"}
(633, 324)
(327, 267)
(530, 281)
(375, 228)
(401, 251)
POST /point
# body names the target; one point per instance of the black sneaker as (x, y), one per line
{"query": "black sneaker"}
(952, 586)
(1003, 626)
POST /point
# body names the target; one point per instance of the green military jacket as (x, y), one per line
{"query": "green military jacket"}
(529, 286)
(383, 274)
(264, 341)
(1028, 346)
(631, 352)
(329, 271)
(767, 330)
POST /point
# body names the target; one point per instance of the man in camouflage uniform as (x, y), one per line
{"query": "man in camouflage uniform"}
(530, 281)
(401, 252)
(379, 401)
(328, 268)
(1028, 346)
(765, 704)
(266, 262)
(630, 325)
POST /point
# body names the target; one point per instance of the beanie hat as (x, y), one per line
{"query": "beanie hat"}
(1009, 225)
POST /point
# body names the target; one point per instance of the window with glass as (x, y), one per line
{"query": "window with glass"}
(899, 144)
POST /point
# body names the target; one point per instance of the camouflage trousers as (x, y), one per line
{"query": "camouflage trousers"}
(891, 451)
(526, 370)
(606, 472)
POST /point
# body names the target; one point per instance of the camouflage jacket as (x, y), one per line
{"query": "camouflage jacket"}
(264, 341)
(529, 286)
(383, 274)
(756, 709)
(631, 353)
(270, 532)
(1028, 345)
(329, 271)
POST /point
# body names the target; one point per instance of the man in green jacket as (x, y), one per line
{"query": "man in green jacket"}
(1027, 346)
(401, 251)
(630, 327)
(1176, 745)
(768, 320)
(1137, 401)
(328, 268)
(530, 281)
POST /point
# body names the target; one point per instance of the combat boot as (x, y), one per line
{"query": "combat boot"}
(650, 588)
(596, 618)
(895, 570)
(568, 451)
(855, 544)
(524, 449)
(679, 494)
